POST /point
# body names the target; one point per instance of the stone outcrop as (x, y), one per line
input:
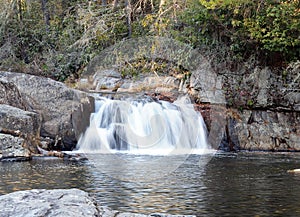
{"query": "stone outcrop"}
(112, 81)
(15, 119)
(264, 89)
(253, 108)
(13, 148)
(19, 132)
(59, 202)
(269, 130)
(10, 95)
(263, 110)
(34, 108)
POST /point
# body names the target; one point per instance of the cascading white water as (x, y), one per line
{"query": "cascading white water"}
(144, 127)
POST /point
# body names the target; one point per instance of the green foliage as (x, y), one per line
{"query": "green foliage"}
(155, 67)
(269, 26)
(277, 27)
(77, 31)
(229, 30)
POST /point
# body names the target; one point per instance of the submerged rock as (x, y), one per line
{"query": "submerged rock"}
(59, 202)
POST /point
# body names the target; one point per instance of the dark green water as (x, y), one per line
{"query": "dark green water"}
(243, 184)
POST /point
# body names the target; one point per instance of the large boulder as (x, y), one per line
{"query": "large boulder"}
(72, 202)
(65, 112)
(59, 203)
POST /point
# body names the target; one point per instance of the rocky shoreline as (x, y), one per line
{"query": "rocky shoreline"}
(253, 111)
(60, 202)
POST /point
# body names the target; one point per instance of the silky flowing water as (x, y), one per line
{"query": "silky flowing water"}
(227, 184)
(150, 156)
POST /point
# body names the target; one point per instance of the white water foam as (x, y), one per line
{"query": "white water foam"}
(145, 127)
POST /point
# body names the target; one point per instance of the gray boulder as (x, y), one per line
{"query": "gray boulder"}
(10, 95)
(72, 202)
(15, 119)
(13, 148)
(59, 203)
(19, 133)
(65, 112)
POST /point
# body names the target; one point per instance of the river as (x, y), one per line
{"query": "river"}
(219, 184)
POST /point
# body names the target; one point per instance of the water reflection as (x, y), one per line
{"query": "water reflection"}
(50, 173)
(243, 184)
(255, 184)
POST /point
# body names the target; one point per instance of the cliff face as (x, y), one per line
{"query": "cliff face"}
(262, 108)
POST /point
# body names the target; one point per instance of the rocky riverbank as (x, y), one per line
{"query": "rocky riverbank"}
(39, 112)
(257, 109)
(60, 202)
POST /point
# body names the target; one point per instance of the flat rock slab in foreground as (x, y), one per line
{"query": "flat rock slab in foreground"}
(58, 203)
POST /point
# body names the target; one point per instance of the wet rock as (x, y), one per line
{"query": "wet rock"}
(65, 112)
(165, 96)
(294, 171)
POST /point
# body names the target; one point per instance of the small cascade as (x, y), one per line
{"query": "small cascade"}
(144, 127)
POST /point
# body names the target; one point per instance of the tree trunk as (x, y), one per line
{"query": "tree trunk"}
(46, 14)
(115, 3)
(20, 9)
(129, 14)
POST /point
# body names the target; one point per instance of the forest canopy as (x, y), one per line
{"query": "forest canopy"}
(57, 38)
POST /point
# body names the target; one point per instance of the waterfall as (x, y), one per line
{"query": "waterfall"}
(144, 127)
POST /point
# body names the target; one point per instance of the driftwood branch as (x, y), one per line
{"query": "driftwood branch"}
(15, 133)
